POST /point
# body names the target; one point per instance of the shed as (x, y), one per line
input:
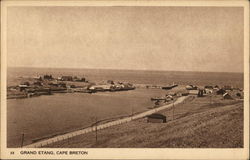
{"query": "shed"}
(193, 92)
(185, 94)
(110, 82)
(227, 96)
(209, 87)
(201, 92)
(238, 94)
(169, 97)
(156, 118)
(38, 78)
(157, 103)
(208, 91)
(171, 94)
(76, 79)
(221, 91)
(22, 87)
(67, 78)
(191, 87)
(216, 86)
(100, 87)
(48, 77)
(179, 94)
(26, 83)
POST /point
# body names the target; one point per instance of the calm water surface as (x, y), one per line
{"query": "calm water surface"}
(141, 77)
(48, 115)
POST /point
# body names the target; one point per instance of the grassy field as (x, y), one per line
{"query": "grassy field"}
(198, 123)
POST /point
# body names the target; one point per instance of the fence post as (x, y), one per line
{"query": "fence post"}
(173, 110)
(68, 139)
(22, 140)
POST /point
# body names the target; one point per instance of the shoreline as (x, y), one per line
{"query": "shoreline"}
(62, 132)
(103, 126)
(137, 86)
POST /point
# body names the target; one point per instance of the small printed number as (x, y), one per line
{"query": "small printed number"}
(12, 152)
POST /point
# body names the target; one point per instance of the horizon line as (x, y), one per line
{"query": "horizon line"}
(119, 69)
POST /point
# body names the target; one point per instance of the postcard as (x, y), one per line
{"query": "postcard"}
(124, 79)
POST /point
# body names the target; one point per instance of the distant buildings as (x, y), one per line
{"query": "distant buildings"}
(221, 91)
(191, 87)
(100, 87)
(23, 87)
(208, 87)
(70, 78)
(227, 96)
(112, 87)
(200, 93)
(193, 92)
(66, 78)
(47, 77)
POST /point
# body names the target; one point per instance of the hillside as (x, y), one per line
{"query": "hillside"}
(198, 123)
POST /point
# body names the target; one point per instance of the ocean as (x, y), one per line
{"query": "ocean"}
(44, 116)
(132, 76)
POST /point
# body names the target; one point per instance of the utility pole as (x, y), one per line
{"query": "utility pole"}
(210, 98)
(22, 139)
(132, 111)
(95, 129)
(94, 126)
(68, 140)
(173, 110)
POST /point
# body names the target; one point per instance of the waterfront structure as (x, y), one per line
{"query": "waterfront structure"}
(227, 96)
(191, 87)
(66, 78)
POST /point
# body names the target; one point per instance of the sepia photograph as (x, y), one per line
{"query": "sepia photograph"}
(119, 76)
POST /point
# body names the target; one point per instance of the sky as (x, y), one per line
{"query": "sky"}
(134, 38)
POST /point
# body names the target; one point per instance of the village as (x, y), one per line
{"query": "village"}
(179, 103)
(47, 85)
(225, 93)
(164, 103)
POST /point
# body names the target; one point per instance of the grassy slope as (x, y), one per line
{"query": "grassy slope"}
(197, 124)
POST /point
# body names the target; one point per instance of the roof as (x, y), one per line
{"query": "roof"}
(100, 86)
(66, 77)
(171, 93)
(209, 87)
(193, 91)
(23, 85)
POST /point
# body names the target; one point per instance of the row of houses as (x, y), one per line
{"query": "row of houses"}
(61, 78)
(112, 87)
(192, 90)
(226, 91)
